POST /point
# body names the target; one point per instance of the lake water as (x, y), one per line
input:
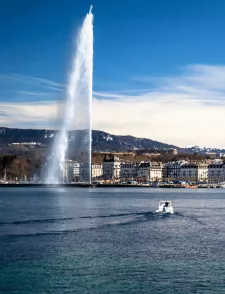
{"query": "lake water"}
(110, 241)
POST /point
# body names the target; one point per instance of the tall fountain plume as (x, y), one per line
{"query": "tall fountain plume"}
(77, 110)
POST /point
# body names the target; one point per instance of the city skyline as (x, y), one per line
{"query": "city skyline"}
(159, 68)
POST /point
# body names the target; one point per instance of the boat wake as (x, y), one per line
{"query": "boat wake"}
(36, 221)
(190, 217)
(117, 215)
(111, 220)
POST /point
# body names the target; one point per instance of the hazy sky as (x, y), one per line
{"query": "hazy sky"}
(159, 66)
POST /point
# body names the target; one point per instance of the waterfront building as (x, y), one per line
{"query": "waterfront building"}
(111, 168)
(96, 170)
(194, 172)
(84, 172)
(202, 172)
(149, 171)
(171, 170)
(216, 172)
(128, 170)
(76, 171)
(143, 172)
(188, 172)
(156, 171)
(70, 170)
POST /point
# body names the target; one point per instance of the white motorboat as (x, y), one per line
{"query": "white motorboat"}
(165, 207)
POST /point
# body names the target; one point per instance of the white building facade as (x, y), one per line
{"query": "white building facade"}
(96, 171)
(203, 172)
(76, 171)
(149, 171)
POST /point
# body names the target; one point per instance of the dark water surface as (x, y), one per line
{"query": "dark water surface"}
(111, 241)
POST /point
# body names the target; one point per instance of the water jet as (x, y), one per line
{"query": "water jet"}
(77, 111)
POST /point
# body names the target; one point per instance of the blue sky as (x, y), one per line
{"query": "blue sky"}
(151, 49)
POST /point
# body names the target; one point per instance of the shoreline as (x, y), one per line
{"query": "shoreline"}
(79, 186)
(84, 185)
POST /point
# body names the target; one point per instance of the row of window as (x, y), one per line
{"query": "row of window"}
(214, 172)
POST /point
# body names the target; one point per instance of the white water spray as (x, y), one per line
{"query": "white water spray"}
(78, 108)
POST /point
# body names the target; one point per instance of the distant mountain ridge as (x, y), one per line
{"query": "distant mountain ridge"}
(101, 141)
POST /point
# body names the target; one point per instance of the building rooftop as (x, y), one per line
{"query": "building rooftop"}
(144, 164)
(111, 159)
